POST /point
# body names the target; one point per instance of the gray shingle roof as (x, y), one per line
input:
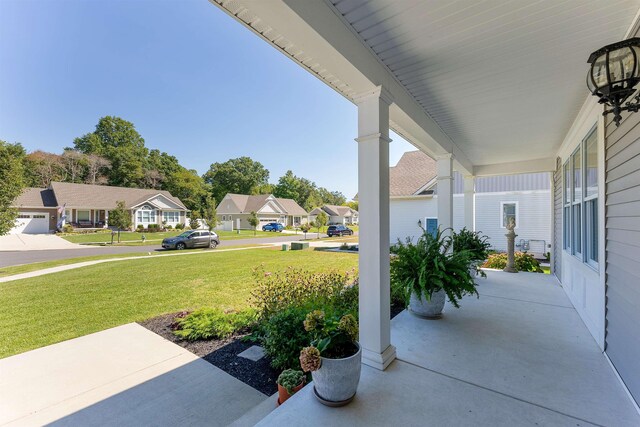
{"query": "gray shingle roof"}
(104, 196)
(243, 203)
(414, 170)
(36, 198)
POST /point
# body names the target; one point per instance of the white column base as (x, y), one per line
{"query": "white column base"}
(379, 360)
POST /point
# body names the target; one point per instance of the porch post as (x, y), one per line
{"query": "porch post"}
(469, 202)
(373, 256)
(444, 169)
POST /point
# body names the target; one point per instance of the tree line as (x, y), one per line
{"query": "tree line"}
(116, 154)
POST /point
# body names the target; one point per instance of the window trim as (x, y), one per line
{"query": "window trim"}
(502, 203)
(586, 232)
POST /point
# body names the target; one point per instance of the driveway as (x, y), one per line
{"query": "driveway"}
(19, 257)
(34, 242)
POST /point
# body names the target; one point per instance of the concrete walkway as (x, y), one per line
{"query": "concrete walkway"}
(125, 376)
(34, 242)
(517, 356)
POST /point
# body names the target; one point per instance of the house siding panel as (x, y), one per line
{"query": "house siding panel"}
(557, 220)
(622, 176)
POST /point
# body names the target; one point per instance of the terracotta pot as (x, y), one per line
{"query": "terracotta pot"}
(283, 394)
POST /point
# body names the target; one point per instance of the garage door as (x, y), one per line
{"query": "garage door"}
(31, 223)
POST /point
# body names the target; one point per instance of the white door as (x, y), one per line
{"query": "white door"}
(31, 223)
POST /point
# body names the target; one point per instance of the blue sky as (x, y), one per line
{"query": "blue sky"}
(196, 84)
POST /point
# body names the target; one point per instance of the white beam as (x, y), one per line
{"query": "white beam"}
(512, 168)
(373, 255)
(469, 202)
(444, 170)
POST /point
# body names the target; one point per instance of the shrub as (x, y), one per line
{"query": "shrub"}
(140, 228)
(283, 336)
(194, 223)
(67, 228)
(297, 287)
(179, 226)
(169, 227)
(523, 262)
(208, 323)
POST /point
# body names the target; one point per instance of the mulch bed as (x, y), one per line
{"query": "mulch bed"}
(221, 353)
(224, 353)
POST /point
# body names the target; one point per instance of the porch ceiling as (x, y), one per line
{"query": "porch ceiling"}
(494, 82)
(503, 79)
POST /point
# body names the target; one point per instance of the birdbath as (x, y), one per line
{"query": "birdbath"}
(511, 238)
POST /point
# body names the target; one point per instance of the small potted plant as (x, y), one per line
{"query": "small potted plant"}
(333, 358)
(290, 381)
(429, 271)
(478, 246)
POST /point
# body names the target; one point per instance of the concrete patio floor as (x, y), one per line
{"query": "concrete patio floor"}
(124, 376)
(518, 355)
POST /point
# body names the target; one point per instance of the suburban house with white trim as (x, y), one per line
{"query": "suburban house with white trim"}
(524, 197)
(85, 205)
(488, 89)
(336, 214)
(234, 210)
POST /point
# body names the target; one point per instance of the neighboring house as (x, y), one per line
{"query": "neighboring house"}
(337, 214)
(524, 197)
(234, 211)
(41, 210)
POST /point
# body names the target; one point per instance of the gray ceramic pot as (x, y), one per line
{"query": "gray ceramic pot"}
(430, 309)
(337, 380)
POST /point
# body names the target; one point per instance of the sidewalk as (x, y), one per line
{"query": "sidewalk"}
(122, 376)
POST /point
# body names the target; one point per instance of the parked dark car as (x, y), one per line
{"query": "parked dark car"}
(192, 239)
(273, 226)
(339, 230)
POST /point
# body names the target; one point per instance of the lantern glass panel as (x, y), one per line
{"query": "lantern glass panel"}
(621, 64)
(598, 73)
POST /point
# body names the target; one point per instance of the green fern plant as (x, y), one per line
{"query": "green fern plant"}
(429, 265)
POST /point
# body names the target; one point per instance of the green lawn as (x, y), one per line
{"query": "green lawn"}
(135, 239)
(48, 309)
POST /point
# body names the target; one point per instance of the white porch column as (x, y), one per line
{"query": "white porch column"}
(444, 169)
(469, 202)
(373, 256)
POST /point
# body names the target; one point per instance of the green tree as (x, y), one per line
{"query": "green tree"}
(12, 183)
(120, 218)
(331, 197)
(188, 186)
(253, 221)
(263, 189)
(353, 204)
(305, 229)
(238, 176)
(119, 142)
(210, 212)
(321, 221)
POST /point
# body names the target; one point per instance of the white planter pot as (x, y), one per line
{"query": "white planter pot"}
(336, 382)
(432, 308)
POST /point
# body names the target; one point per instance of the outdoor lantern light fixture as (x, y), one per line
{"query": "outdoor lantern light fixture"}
(614, 73)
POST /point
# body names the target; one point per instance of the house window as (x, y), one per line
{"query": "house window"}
(576, 205)
(580, 212)
(566, 228)
(83, 215)
(146, 215)
(224, 217)
(591, 198)
(509, 210)
(171, 216)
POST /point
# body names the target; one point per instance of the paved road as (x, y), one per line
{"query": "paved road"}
(8, 258)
